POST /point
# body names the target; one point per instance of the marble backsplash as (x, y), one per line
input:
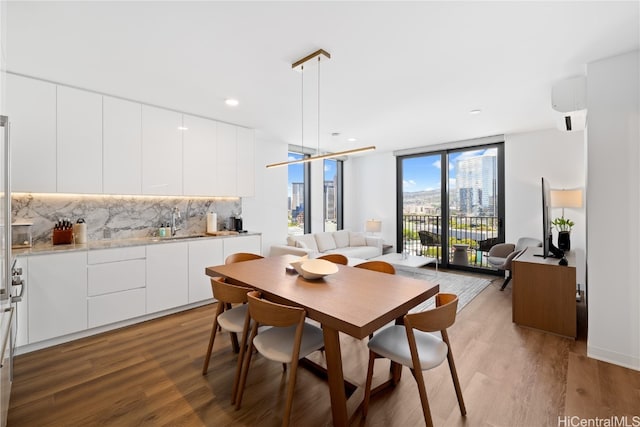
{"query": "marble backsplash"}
(119, 217)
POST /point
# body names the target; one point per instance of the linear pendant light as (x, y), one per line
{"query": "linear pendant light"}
(300, 63)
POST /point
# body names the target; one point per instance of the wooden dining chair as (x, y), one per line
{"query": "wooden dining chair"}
(227, 317)
(414, 346)
(335, 258)
(289, 340)
(381, 266)
(241, 256)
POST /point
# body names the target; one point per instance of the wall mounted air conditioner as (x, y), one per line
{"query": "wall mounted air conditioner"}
(569, 100)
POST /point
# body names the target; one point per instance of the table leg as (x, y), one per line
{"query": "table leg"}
(336, 377)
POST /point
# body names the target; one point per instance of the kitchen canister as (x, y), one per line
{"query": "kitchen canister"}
(212, 222)
(80, 232)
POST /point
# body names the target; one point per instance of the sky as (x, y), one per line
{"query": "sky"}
(423, 173)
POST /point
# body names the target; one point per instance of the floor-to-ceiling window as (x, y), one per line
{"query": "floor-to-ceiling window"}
(332, 195)
(451, 204)
(298, 192)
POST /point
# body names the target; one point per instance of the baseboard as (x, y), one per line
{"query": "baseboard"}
(613, 357)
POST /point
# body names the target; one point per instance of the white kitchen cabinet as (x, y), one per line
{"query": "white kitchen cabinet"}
(57, 295)
(199, 156)
(79, 129)
(31, 107)
(116, 285)
(167, 276)
(122, 146)
(203, 254)
(245, 173)
(227, 160)
(251, 244)
(161, 152)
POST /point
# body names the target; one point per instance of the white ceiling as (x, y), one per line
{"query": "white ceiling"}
(401, 74)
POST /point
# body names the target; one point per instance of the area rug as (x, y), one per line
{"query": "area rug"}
(466, 287)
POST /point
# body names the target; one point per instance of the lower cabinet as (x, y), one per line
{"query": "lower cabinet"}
(167, 276)
(57, 295)
(203, 254)
(116, 285)
(252, 244)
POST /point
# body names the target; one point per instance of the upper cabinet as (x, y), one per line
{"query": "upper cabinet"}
(31, 107)
(199, 156)
(161, 152)
(245, 172)
(79, 121)
(68, 140)
(227, 160)
(122, 146)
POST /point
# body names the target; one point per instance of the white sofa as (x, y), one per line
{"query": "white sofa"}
(348, 243)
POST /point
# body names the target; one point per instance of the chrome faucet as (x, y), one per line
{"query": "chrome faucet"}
(175, 217)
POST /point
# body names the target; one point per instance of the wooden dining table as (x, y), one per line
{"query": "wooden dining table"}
(354, 301)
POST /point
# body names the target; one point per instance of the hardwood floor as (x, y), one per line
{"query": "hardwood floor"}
(150, 375)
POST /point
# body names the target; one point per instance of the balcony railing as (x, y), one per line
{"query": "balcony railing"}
(477, 233)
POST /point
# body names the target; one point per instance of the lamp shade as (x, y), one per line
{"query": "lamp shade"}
(373, 226)
(566, 198)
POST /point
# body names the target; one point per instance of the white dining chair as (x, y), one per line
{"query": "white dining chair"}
(289, 340)
(414, 345)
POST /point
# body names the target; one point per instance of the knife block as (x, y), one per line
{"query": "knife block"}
(62, 237)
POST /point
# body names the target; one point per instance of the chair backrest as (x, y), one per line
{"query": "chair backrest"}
(273, 314)
(525, 242)
(226, 292)
(381, 266)
(241, 256)
(428, 238)
(335, 258)
(436, 319)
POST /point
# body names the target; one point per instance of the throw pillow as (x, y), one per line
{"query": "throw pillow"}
(342, 238)
(325, 241)
(357, 239)
(291, 241)
(309, 242)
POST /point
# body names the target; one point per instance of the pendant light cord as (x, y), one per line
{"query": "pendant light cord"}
(318, 148)
(302, 107)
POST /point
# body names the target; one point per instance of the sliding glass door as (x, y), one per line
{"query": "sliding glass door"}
(451, 205)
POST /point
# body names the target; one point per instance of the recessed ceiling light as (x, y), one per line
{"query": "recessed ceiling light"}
(475, 111)
(231, 102)
(182, 128)
(352, 139)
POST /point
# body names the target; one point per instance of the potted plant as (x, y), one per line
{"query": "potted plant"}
(563, 225)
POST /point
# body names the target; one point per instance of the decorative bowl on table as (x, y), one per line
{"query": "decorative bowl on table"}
(317, 269)
(296, 264)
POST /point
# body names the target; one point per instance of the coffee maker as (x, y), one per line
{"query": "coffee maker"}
(238, 224)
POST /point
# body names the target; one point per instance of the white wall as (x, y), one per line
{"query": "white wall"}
(266, 212)
(370, 193)
(613, 209)
(557, 156)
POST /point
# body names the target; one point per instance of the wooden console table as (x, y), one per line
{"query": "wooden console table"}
(544, 293)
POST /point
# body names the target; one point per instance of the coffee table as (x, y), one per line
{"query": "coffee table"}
(403, 260)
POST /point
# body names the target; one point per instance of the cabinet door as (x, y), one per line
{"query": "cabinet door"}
(122, 141)
(199, 156)
(57, 295)
(227, 160)
(161, 152)
(252, 244)
(79, 141)
(245, 174)
(31, 106)
(203, 254)
(167, 276)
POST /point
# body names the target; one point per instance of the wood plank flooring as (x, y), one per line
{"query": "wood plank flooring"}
(150, 375)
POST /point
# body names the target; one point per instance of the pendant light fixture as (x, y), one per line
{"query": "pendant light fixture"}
(319, 54)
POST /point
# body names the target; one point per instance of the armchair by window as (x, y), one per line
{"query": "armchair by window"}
(501, 255)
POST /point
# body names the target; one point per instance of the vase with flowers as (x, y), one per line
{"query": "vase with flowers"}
(563, 225)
